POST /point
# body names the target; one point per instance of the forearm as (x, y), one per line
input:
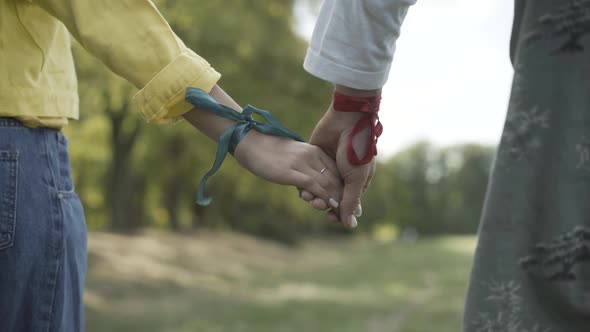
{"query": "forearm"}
(208, 123)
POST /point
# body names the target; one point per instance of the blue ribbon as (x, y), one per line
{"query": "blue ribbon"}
(232, 136)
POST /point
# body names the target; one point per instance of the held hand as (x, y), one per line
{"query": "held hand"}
(331, 134)
(288, 162)
(274, 158)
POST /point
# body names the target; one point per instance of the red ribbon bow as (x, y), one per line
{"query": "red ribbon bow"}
(370, 106)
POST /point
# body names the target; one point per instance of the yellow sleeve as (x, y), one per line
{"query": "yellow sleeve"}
(133, 39)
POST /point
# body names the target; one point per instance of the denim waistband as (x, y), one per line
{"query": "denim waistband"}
(10, 122)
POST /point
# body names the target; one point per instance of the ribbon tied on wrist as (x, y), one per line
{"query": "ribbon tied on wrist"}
(231, 137)
(369, 106)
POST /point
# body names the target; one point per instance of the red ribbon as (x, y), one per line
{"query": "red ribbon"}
(369, 106)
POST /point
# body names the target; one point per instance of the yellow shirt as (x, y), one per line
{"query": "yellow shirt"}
(37, 76)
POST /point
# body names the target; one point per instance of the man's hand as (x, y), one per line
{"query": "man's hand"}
(331, 134)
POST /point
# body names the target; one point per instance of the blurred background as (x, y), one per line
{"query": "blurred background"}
(258, 258)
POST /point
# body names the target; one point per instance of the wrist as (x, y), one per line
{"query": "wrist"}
(356, 92)
(367, 128)
(341, 121)
(346, 110)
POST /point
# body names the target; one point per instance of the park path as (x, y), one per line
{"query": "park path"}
(396, 319)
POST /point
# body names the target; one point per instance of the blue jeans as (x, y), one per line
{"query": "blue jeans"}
(42, 233)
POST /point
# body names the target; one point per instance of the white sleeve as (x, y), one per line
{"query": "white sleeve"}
(353, 41)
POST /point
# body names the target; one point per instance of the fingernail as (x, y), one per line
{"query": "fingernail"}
(352, 221)
(333, 203)
(358, 211)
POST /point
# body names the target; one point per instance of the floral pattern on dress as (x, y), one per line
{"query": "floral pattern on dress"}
(556, 259)
(520, 134)
(524, 123)
(507, 316)
(570, 23)
(583, 149)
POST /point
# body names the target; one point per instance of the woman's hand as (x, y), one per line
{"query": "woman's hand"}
(288, 162)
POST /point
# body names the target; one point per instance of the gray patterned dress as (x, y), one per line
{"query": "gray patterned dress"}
(531, 271)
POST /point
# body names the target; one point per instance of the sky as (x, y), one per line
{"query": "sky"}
(451, 75)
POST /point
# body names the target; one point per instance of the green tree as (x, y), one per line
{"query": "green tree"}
(430, 189)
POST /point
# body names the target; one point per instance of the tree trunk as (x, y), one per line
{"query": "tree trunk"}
(125, 191)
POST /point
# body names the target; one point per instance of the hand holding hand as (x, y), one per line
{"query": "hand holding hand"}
(288, 162)
(273, 158)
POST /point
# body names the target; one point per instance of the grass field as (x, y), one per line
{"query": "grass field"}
(229, 282)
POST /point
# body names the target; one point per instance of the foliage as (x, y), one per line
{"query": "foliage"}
(430, 189)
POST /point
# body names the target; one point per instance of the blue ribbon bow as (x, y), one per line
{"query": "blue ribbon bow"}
(232, 136)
